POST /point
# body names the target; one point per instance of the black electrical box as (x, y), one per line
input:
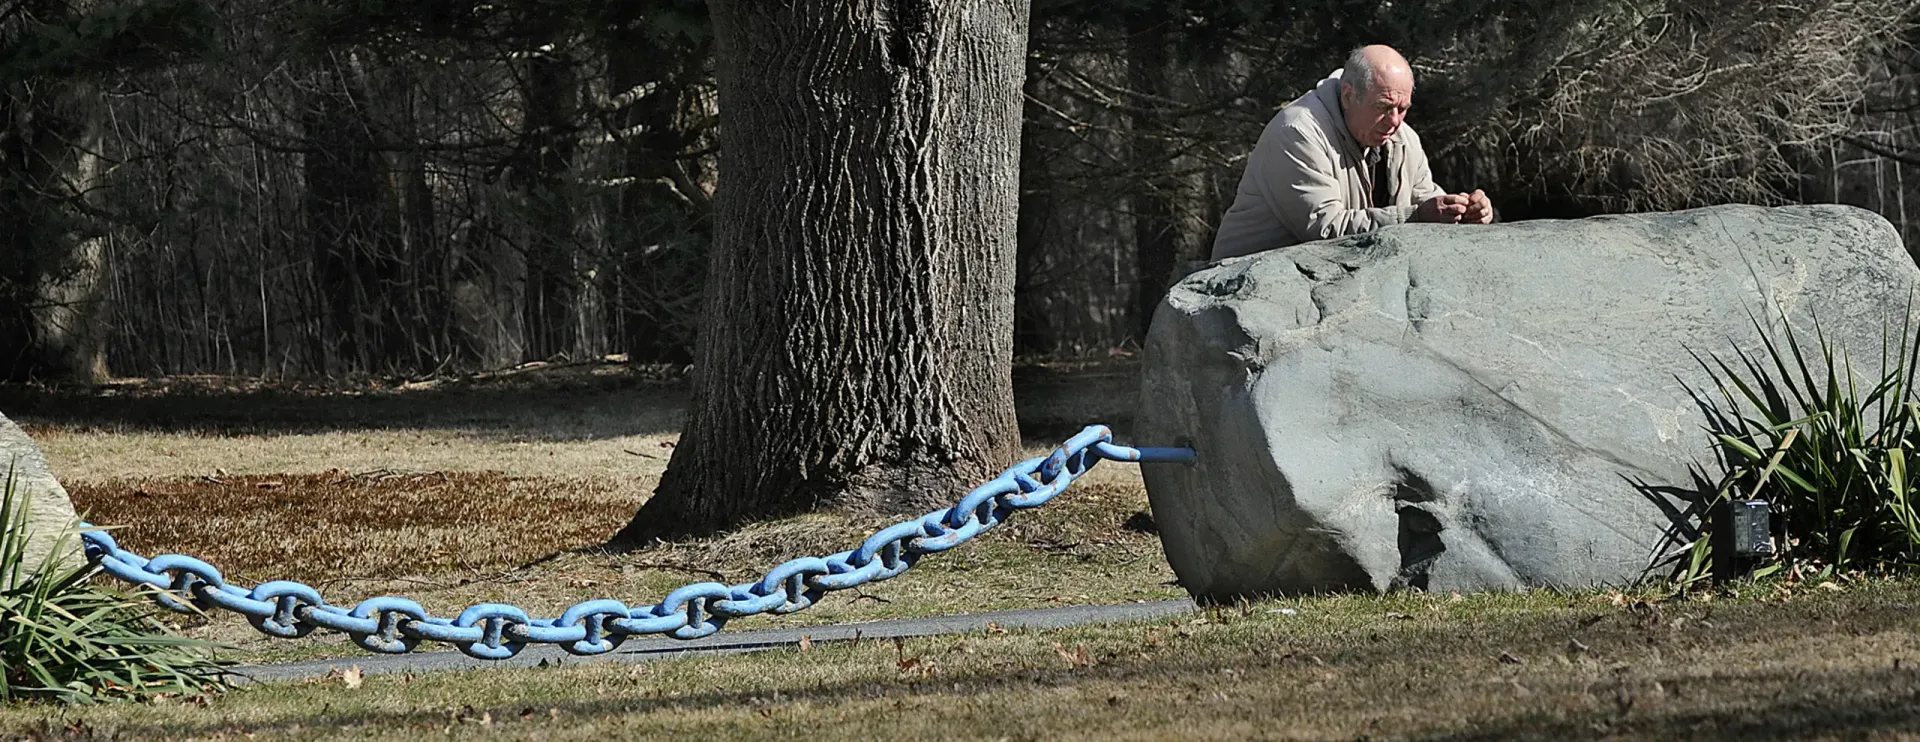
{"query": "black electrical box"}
(1750, 526)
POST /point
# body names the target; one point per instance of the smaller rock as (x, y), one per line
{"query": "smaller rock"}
(49, 510)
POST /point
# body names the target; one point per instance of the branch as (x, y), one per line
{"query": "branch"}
(1882, 150)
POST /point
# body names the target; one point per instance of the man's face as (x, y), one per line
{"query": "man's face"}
(1373, 116)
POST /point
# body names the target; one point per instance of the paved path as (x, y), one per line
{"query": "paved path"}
(642, 649)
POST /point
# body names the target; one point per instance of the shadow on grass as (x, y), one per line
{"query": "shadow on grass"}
(1769, 706)
(1293, 680)
(583, 402)
(610, 402)
(1833, 709)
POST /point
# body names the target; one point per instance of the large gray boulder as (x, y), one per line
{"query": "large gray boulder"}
(50, 512)
(1476, 407)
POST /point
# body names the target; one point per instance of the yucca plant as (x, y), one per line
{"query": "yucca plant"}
(64, 638)
(1832, 458)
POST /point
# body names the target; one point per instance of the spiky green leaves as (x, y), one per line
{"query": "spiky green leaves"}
(66, 639)
(1831, 457)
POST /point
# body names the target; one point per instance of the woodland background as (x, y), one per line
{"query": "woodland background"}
(379, 188)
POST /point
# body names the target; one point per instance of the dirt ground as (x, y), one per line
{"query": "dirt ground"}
(500, 489)
(587, 420)
(503, 488)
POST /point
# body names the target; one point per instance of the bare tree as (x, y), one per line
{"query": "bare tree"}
(388, 188)
(858, 335)
(1603, 105)
(383, 187)
(53, 251)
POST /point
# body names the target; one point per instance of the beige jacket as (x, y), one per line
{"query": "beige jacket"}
(1307, 180)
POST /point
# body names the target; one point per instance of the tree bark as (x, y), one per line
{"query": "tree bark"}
(1033, 332)
(857, 349)
(53, 253)
(563, 304)
(1170, 212)
(358, 224)
(488, 295)
(663, 224)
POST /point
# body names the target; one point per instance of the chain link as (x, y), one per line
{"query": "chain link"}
(287, 609)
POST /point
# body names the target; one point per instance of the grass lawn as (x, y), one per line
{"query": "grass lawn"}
(501, 491)
(1782, 664)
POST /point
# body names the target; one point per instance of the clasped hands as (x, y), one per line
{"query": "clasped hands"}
(1456, 208)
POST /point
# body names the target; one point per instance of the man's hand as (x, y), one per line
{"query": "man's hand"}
(1479, 208)
(1446, 208)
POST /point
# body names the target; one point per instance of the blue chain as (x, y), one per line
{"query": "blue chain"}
(287, 609)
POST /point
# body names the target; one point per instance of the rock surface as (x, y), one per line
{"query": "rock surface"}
(1476, 407)
(49, 512)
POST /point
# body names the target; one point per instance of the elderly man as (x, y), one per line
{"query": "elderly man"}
(1341, 161)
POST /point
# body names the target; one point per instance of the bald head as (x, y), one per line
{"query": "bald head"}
(1375, 65)
(1376, 89)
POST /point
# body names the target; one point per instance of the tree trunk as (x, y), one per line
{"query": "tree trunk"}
(663, 223)
(563, 304)
(53, 254)
(1033, 332)
(357, 224)
(488, 296)
(1170, 214)
(857, 349)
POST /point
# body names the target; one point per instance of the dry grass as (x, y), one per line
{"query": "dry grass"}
(606, 426)
(502, 489)
(488, 523)
(322, 527)
(93, 455)
(574, 422)
(1794, 663)
(495, 524)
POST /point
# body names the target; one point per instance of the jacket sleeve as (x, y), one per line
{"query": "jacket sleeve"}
(1418, 172)
(1304, 192)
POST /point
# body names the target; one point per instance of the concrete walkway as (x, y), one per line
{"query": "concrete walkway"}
(642, 649)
